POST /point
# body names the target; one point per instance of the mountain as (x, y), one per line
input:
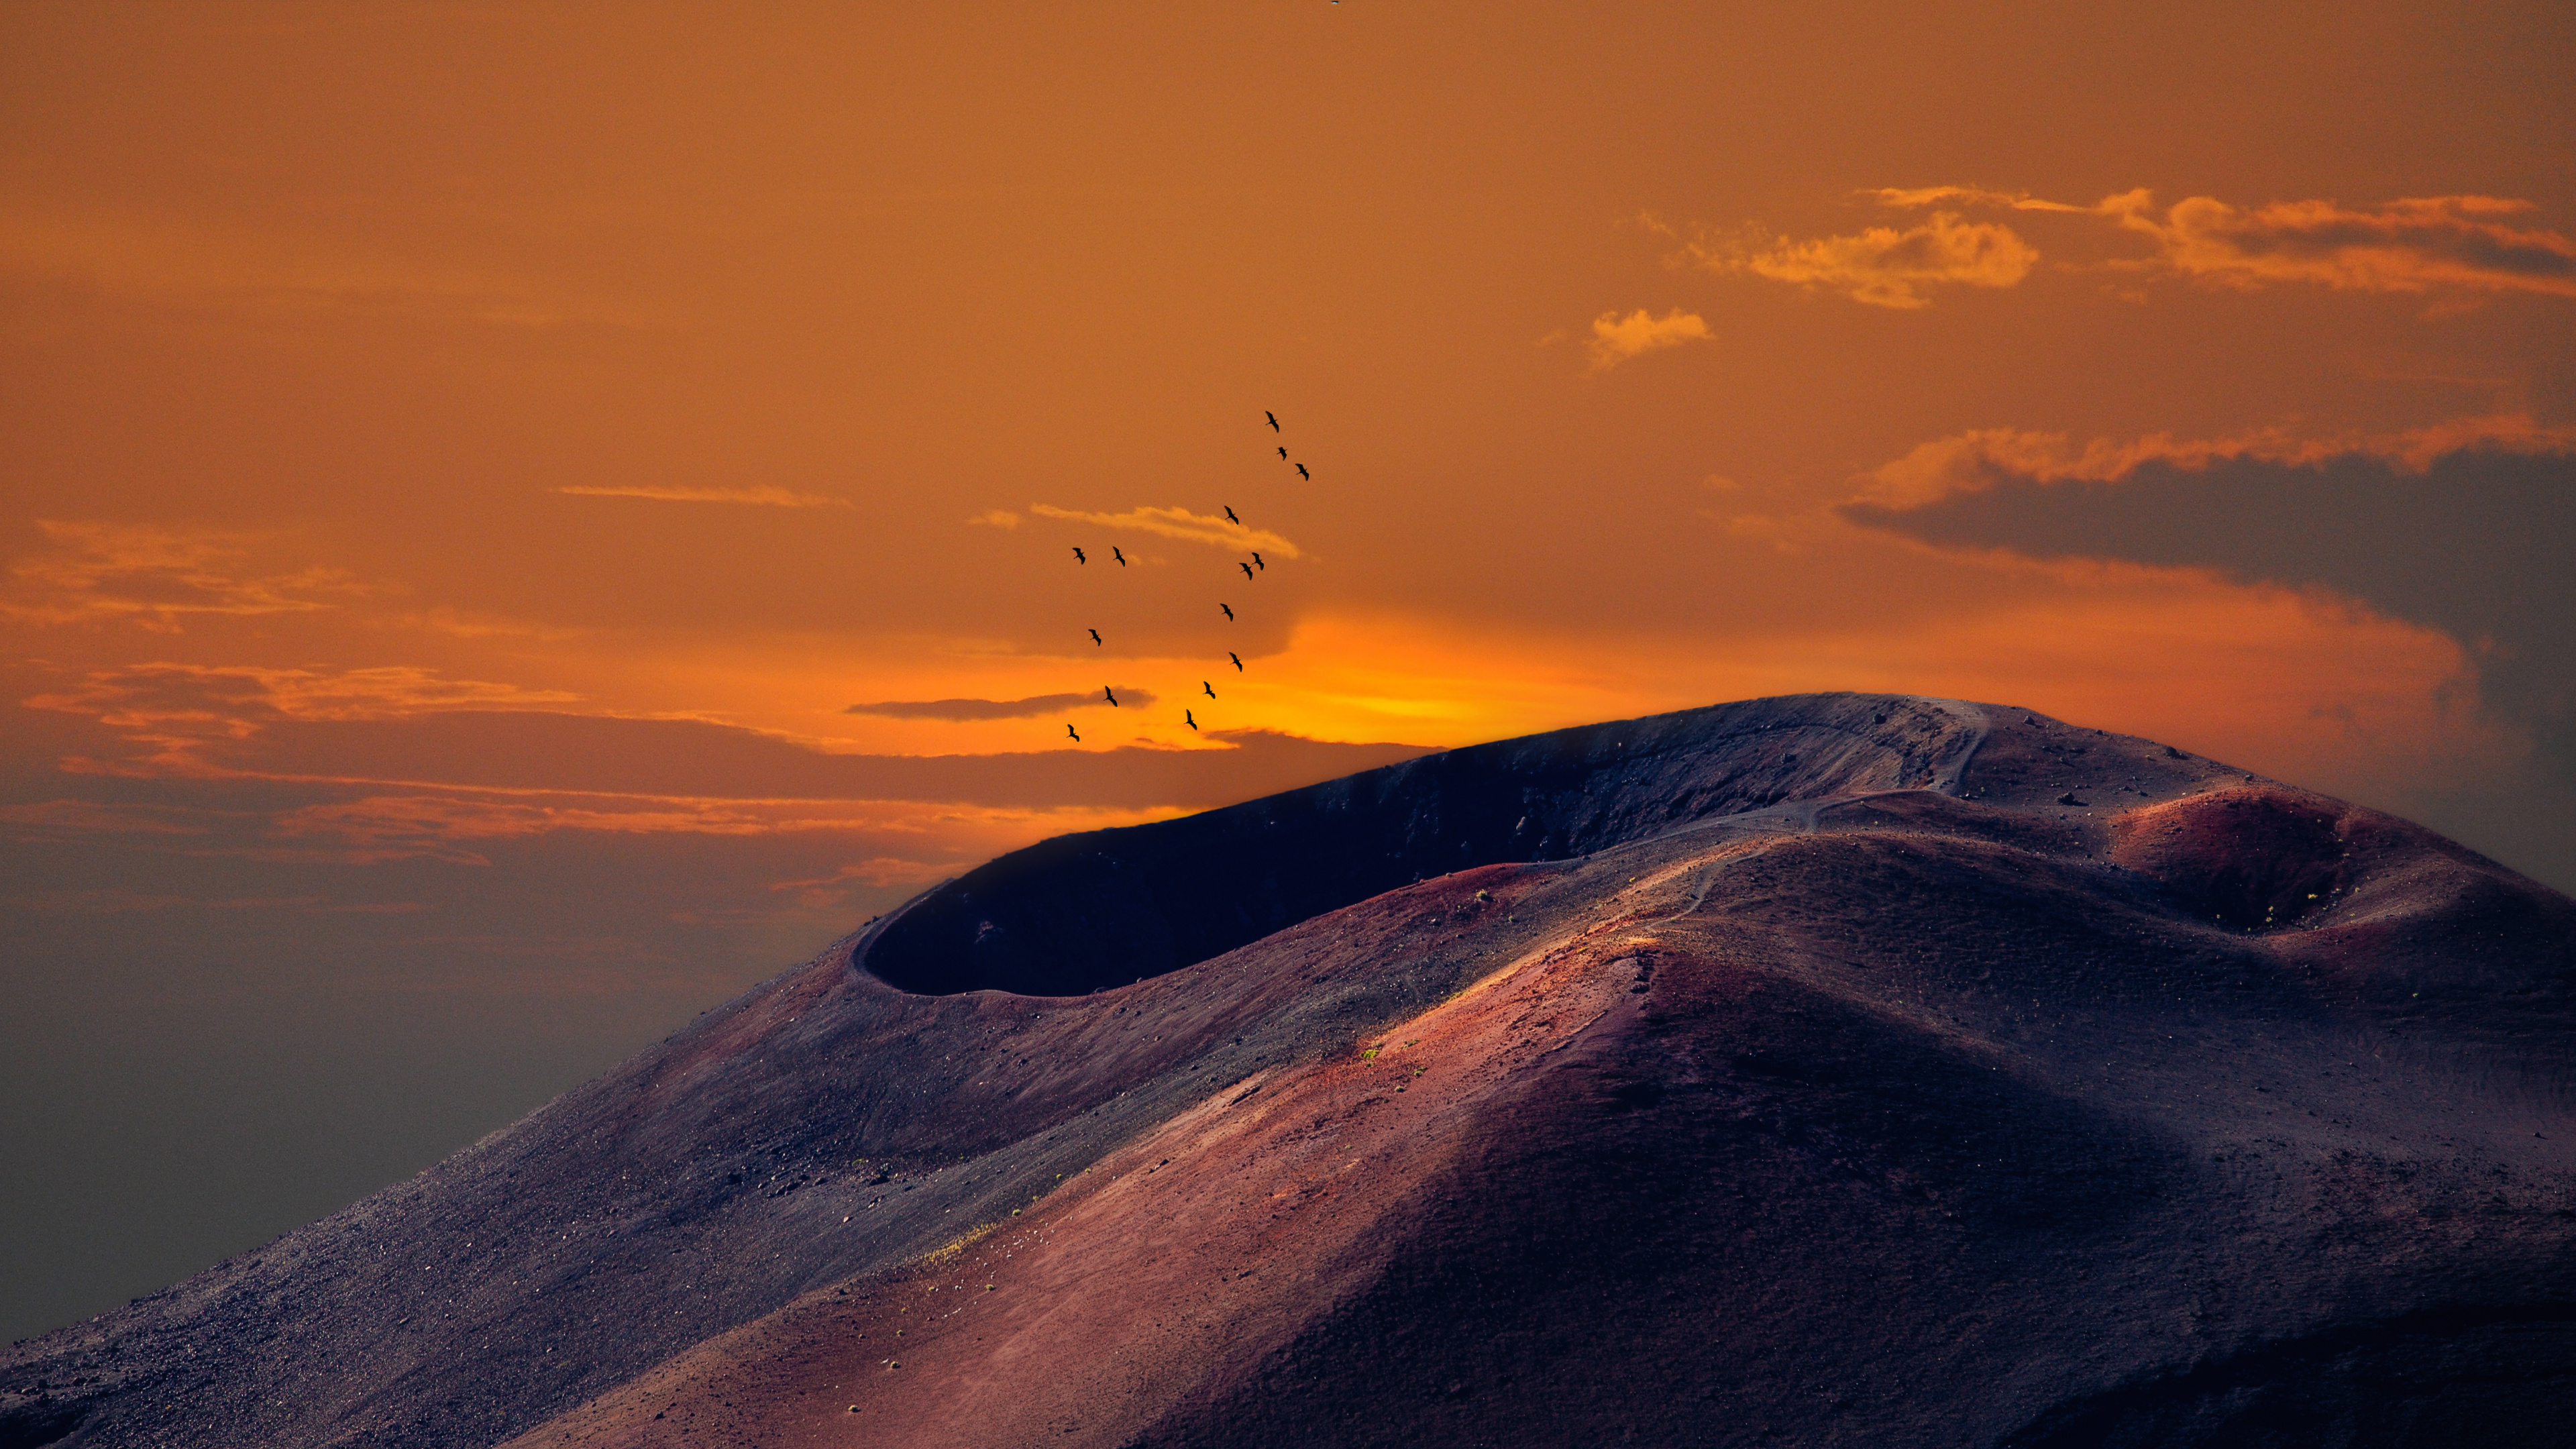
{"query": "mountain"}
(1836, 1069)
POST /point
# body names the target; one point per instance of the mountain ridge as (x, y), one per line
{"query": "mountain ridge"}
(1753, 972)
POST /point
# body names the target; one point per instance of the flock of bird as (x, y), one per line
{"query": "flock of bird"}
(1253, 567)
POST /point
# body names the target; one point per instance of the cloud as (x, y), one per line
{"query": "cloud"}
(980, 709)
(91, 572)
(995, 518)
(1970, 461)
(1919, 196)
(98, 817)
(764, 496)
(176, 710)
(1181, 524)
(123, 902)
(2413, 244)
(1883, 266)
(882, 870)
(2465, 528)
(1615, 339)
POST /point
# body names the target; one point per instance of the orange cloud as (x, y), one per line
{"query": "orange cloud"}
(175, 709)
(98, 817)
(2413, 244)
(100, 572)
(764, 496)
(1615, 339)
(449, 824)
(1882, 265)
(1178, 523)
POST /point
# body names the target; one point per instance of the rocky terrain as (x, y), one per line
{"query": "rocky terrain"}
(1826, 1070)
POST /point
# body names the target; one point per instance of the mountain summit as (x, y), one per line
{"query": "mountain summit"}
(1825, 1070)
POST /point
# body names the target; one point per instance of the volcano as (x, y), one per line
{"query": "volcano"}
(1838, 1069)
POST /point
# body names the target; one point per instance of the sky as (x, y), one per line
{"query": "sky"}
(520, 521)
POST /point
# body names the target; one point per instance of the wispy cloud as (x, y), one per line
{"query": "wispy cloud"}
(2413, 244)
(982, 709)
(1615, 339)
(1904, 197)
(90, 572)
(1178, 523)
(100, 817)
(176, 710)
(764, 496)
(1883, 266)
(122, 902)
(995, 518)
(458, 826)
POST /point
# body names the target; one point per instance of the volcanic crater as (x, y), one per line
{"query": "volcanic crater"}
(1832, 1069)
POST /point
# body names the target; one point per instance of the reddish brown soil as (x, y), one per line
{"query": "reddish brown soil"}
(2199, 1110)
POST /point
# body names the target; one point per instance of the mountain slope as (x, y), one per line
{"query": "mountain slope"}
(1834, 1082)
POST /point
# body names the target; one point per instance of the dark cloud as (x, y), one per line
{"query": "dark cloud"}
(974, 709)
(2475, 542)
(591, 753)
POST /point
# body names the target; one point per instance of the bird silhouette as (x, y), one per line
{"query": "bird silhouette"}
(1273, 417)
(1191, 718)
(1077, 739)
(1256, 561)
(1230, 518)
(1114, 553)
(1113, 697)
(1207, 689)
(1302, 473)
(1283, 455)
(1229, 611)
(1095, 636)
(1078, 558)
(1247, 568)
(1238, 660)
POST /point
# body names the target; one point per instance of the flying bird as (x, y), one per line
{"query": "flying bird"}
(1283, 455)
(1193, 719)
(1247, 568)
(1077, 739)
(1113, 698)
(1256, 560)
(1302, 473)
(1273, 417)
(1229, 611)
(1238, 660)
(1207, 689)
(1230, 518)
(1078, 558)
(1095, 636)
(1114, 553)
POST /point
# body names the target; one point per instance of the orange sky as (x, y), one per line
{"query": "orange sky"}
(463, 461)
